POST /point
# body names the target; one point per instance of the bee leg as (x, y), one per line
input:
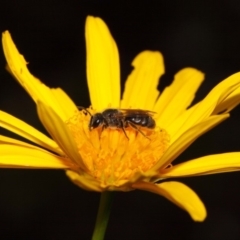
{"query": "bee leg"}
(122, 127)
(125, 132)
(103, 127)
(137, 129)
(85, 110)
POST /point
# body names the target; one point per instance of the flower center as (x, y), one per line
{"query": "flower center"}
(113, 156)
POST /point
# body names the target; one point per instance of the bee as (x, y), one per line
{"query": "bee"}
(122, 119)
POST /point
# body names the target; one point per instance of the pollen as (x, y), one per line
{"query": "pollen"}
(113, 157)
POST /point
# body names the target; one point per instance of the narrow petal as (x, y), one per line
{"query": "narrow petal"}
(206, 107)
(84, 181)
(141, 86)
(175, 99)
(21, 128)
(229, 103)
(17, 66)
(30, 157)
(35, 88)
(187, 138)
(8, 140)
(60, 133)
(103, 71)
(225, 162)
(65, 102)
(179, 194)
(174, 128)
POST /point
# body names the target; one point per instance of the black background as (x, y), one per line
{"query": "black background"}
(44, 204)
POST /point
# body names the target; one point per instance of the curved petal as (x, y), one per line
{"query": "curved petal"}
(229, 103)
(36, 89)
(60, 133)
(103, 71)
(8, 140)
(84, 181)
(175, 99)
(141, 86)
(21, 128)
(174, 129)
(15, 156)
(187, 138)
(225, 162)
(179, 194)
(65, 102)
(206, 107)
(62, 162)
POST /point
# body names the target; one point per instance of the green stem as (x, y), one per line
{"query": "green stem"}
(103, 215)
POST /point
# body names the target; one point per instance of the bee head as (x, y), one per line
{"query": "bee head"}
(96, 121)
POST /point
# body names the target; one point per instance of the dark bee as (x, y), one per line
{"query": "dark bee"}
(139, 118)
(111, 118)
(122, 118)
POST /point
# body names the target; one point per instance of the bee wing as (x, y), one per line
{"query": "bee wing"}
(136, 111)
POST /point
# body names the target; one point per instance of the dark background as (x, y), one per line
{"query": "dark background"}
(44, 204)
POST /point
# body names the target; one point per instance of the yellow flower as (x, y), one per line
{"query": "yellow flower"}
(111, 159)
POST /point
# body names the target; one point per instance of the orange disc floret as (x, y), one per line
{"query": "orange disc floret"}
(111, 156)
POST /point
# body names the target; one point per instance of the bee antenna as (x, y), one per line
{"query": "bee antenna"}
(85, 109)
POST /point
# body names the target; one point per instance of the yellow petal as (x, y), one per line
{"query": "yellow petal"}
(226, 162)
(187, 138)
(178, 96)
(103, 73)
(141, 86)
(229, 103)
(60, 133)
(179, 194)
(17, 66)
(84, 181)
(174, 128)
(30, 157)
(21, 128)
(36, 89)
(65, 102)
(8, 140)
(206, 107)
